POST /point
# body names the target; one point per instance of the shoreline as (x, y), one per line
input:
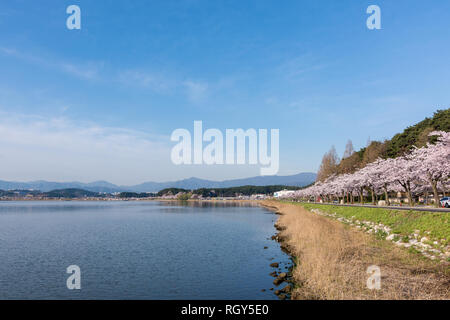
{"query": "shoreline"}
(332, 260)
(136, 200)
(286, 277)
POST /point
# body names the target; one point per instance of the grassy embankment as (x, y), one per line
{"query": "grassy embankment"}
(333, 257)
(433, 225)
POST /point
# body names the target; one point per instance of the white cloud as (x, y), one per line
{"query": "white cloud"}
(298, 66)
(88, 71)
(58, 149)
(196, 91)
(159, 82)
(153, 81)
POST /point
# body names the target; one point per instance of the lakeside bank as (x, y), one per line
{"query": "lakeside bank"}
(332, 259)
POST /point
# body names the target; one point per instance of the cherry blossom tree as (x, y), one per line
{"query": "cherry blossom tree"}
(433, 162)
(415, 173)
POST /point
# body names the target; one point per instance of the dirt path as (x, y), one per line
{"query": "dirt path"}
(333, 259)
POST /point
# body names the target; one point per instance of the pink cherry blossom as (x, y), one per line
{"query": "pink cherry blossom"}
(422, 170)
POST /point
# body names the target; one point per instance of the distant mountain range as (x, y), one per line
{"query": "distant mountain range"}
(299, 180)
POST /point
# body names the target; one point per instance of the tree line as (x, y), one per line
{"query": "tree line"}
(229, 192)
(419, 172)
(415, 136)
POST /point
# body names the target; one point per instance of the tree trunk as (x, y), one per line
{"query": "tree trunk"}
(444, 191)
(435, 191)
(386, 195)
(407, 187)
(372, 191)
(361, 199)
(408, 192)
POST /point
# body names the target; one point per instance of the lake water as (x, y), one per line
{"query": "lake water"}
(137, 250)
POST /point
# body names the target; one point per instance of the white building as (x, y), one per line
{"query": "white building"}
(284, 193)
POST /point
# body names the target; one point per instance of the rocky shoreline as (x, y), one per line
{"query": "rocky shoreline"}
(334, 258)
(281, 277)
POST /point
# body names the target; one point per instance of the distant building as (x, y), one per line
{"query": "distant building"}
(284, 193)
(258, 196)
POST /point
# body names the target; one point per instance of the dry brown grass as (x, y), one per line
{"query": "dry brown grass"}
(333, 259)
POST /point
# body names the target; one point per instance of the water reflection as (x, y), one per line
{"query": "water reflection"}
(138, 250)
(212, 203)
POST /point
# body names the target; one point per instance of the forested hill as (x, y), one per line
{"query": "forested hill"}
(70, 193)
(416, 135)
(230, 192)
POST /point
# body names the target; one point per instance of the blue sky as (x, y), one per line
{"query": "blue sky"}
(100, 103)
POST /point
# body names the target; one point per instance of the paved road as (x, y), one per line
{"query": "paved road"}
(430, 209)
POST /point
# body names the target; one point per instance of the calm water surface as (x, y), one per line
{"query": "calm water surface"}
(137, 250)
